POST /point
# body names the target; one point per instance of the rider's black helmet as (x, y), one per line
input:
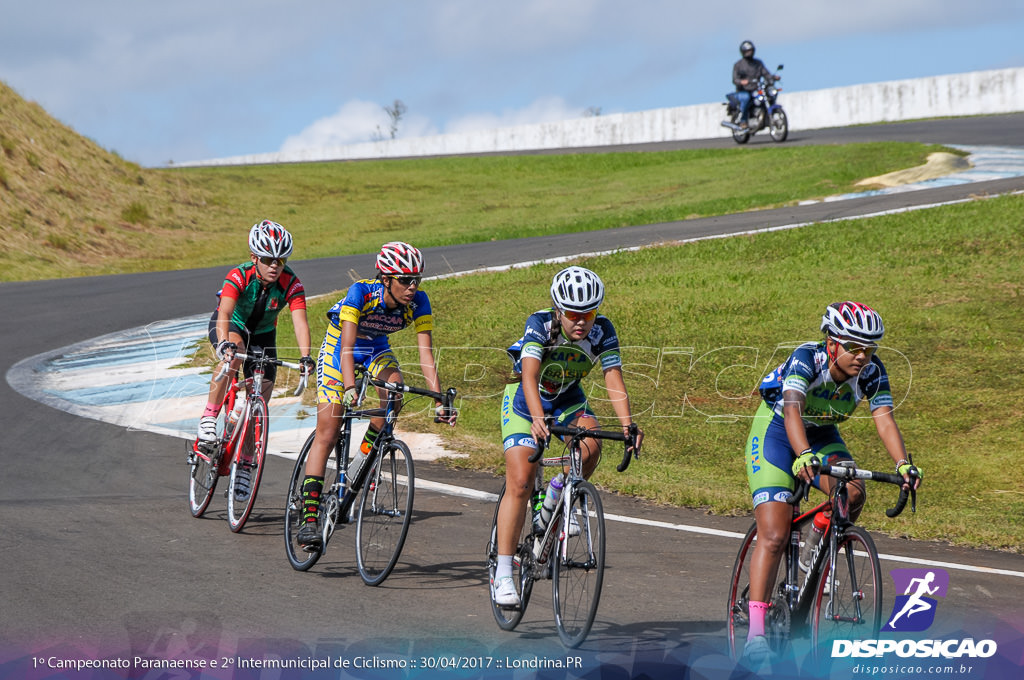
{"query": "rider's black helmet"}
(747, 49)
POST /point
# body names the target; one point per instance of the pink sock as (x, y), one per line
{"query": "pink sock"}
(757, 612)
(211, 410)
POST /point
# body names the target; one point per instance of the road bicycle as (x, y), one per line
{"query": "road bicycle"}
(842, 592)
(240, 445)
(385, 480)
(571, 552)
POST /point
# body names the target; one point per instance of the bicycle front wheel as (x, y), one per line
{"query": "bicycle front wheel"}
(848, 602)
(247, 467)
(578, 566)
(777, 619)
(385, 512)
(508, 618)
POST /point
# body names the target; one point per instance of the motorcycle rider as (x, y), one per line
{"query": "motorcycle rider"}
(745, 75)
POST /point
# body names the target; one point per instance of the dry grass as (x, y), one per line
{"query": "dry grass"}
(65, 202)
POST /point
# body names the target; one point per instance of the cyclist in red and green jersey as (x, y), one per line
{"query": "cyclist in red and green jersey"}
(253, 295)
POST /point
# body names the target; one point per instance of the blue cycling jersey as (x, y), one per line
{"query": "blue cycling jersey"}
(564, 363)
(827, 403)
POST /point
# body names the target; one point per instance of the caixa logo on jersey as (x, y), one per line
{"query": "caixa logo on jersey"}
(914, 611)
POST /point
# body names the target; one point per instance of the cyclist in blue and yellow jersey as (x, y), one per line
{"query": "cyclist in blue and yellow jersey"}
(794, 431)
(357, 332)
(252, 296)
(558, 349)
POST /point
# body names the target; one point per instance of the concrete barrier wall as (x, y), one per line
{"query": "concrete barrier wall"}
(979, 92)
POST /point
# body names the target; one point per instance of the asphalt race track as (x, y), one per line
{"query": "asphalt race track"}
(101, 560)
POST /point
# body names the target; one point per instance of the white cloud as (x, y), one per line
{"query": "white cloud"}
(355, 122)
(544, 110)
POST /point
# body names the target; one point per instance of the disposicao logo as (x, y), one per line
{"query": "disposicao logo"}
(914, 610)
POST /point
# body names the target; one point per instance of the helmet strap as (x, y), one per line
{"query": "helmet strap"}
(387, 288)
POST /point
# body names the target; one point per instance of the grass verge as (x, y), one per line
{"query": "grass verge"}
(703, 322)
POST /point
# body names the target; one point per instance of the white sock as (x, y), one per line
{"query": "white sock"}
(504, 568)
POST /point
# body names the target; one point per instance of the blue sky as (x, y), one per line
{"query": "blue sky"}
(191, 80)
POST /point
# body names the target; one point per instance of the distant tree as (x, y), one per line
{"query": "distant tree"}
(395, 113)
(592, 112)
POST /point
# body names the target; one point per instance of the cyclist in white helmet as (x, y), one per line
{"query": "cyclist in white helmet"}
(558, 349)
(251, 297)
(357, 333)
(794, 431)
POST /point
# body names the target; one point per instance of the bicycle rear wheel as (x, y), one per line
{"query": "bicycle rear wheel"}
(250, 455)
(202, 480)
(848, 602)
(777, 619)
(385, 512)
(204, 464)
(298, 556)
(578, 566)
(508, 618)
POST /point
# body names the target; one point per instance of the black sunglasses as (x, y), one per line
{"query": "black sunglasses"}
(408, 280)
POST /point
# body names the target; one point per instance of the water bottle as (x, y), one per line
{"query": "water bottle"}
(536, 504)
(551, 499)
(357, 463)
(234, 415)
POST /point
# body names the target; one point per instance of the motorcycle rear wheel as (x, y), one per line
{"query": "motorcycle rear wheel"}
(739, 136)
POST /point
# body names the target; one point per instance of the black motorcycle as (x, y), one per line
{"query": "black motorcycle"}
(764, 113)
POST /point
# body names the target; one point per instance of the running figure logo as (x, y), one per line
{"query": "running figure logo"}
(915, 608)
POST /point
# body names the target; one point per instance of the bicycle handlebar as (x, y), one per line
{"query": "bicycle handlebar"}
(578, 433)
(848, 473)
(261, 358)
(447, 398)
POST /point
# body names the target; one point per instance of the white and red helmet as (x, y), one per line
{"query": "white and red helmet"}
(397, 258)
(853, 321)
(270, 239)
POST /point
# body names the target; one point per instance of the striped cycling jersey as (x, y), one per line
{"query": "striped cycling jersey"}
(827, 403)
(364, 306)
(244, 287)
(565, 363)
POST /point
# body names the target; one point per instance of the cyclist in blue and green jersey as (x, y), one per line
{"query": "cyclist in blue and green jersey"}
(252, 296)
(559, 347)
(795, 430)
(357, 332)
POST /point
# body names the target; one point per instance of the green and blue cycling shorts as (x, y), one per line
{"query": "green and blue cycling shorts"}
(770, 457)
(515, 416)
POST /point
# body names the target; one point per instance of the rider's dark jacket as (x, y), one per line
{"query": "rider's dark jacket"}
(750, 70)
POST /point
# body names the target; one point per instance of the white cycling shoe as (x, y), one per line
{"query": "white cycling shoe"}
(208, 429)
(505, 594)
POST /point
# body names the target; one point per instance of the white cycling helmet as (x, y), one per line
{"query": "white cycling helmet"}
(853, 321)
(270, 239)
(396, 258)
(575, 289)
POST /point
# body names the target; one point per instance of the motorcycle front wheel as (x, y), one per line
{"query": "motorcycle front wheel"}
(778, 126)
